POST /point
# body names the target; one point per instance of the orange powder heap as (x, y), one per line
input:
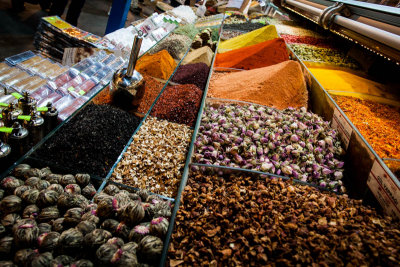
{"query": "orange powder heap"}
(280, 86)
(159, 65)
(255, 56)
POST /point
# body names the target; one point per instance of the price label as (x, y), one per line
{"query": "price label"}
(42, 109)
(71, 89)
(16, 95)
(6, 130)
(386, 191)
(343, 127)
(24, 117)
(81, 92)
(3, 105)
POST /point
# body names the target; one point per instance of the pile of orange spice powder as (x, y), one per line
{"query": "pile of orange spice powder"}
(378, 123)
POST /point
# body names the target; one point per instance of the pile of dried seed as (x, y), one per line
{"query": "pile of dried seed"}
(175, 44)
(247, 222)
(156, 157)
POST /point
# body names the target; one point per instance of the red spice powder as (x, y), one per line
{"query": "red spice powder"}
(255, 56)
(294, 39)
(179, 103)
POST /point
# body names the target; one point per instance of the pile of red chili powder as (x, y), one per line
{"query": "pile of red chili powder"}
(179, 103)
(254, 56)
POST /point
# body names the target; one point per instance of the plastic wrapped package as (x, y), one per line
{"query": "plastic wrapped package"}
(3, 66)
(61, 80)
(101, 55)
(63, 102)
(42, 67)
(8, 73)
(13, 60)
(52, 98)
(81, 66)
(27, 64)
(57, 72)
(17, 78)
(94, 90)
(68, 111)
(117, 64)
(28, 84)
(84, 88)
(7, 99)
(98, 76)
(109, 59)
(71, 85)
(92, 70)
(42, 93)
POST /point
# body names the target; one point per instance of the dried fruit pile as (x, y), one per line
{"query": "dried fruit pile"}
(47, 220)
(241, 221)
(156, 157)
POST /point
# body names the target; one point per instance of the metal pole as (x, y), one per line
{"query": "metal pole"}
(311, 9)
(388, 38)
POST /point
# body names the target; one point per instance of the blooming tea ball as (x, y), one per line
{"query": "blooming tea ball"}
(82, 179)
(122, 199)
(67, 179)
(82, 263)
(90, 207)
(58, 225)
(30, 196)
(24, 257)
(82, 201)
(68, 201)
(116, 228)
(159, 227)
(130, 247)
(49, 213)
(1, 194)
(126, 259)
(42, 260)
(91, 217)
(10, 183)
(10, 204)
(107, 208)
(62, 260)
(111, 190)
(20, 190)
(45, 171)
(116, 241)
(89, 191)
(96, 238)
(48, 241)
(33, 172)
(44, 228)
(72, 189)
(47, 198)
(30, 212)
(32, 181)
(144, 194)
(132, 213)
(105, 253)
(57, 188)
(101, 196)
(86, 227)
(20, 170)
(6, 245)
(26, 233)
(138, 233)
(41, 185)
(73, 216)
(9, 220)
(150, 248)
(53, 178)
(70, 240)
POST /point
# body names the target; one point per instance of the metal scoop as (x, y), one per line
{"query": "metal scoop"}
(128, 85)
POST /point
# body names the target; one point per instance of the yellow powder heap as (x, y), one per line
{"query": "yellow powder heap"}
(254, 37)
(159, 65)
(339, 82)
